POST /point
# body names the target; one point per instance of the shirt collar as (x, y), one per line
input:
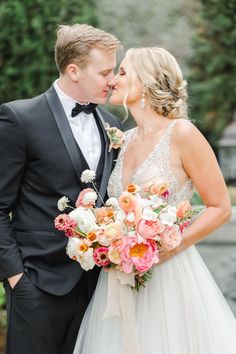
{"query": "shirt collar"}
(67, 102)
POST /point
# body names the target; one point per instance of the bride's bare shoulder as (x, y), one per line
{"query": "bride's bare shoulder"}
(185, 130)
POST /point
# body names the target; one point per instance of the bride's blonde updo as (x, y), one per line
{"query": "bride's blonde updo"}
(162, 79)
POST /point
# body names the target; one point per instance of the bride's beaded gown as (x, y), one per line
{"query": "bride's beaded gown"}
(181, 310)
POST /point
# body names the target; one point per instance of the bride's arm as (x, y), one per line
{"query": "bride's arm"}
(200, 163)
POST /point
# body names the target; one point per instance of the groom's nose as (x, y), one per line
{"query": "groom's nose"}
(113, 82)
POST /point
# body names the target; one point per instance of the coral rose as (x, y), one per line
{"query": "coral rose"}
(184, 209)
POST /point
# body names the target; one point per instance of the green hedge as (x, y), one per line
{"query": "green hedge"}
(27, 38)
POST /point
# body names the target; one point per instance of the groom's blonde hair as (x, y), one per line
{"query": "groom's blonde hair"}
(74, 43)
(162, 80)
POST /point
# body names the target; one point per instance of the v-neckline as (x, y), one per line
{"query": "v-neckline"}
(149, 155)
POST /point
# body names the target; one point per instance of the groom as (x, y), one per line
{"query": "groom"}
(45, 144)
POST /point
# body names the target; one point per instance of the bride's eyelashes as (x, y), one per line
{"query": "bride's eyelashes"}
(121, 72)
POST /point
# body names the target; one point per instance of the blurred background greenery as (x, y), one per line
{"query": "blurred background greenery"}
(200, 33)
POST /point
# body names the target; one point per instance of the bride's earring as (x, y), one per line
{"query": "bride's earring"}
(142, 101)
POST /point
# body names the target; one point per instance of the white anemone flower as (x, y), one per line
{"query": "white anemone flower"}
(86, 259)
(168, 216)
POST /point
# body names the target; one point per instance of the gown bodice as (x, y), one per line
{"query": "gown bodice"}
(157, 164)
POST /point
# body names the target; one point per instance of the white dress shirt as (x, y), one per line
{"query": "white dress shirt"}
(84, 129)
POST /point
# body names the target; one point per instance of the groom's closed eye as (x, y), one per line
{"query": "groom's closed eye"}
(106, 72)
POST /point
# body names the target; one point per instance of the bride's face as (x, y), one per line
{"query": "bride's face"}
(127, 86)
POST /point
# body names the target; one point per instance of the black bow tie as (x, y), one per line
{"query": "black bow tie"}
(86, 108)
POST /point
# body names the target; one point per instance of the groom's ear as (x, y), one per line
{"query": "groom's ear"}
(73, 71)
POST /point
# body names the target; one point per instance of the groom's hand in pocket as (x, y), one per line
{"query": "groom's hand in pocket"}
(14, 279)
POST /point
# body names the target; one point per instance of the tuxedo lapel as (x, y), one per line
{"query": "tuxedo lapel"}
(76, 156)
(108, 157)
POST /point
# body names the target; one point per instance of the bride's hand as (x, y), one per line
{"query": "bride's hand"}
(165, 255)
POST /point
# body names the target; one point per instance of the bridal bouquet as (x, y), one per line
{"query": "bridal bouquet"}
(126, 233)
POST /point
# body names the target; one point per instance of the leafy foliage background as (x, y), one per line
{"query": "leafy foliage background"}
(27, 38)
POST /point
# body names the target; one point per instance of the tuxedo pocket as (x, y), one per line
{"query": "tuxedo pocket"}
(41, 248)
(19, 283)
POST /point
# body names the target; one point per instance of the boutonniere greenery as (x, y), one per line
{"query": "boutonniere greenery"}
(115, 136)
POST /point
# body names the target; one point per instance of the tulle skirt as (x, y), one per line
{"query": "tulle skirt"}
(180, 311)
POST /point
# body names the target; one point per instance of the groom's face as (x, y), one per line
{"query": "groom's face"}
(93, 80)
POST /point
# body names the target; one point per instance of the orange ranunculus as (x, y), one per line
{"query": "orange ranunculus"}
(127, 202)
(132, 188)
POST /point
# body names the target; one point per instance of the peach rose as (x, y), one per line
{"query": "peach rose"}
(158, 187)
(114, 255)
(112, 232)
(103, 215)
(184, 209)
(127, 202)
(170, 238)
(150, 229)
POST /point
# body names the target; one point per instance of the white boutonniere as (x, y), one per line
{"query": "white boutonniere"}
(115, 136)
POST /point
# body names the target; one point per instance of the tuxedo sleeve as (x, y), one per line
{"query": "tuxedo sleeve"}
(12, 164)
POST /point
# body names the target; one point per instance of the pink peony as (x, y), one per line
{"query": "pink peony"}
(150, 229)
(123, 246)
(170, 238)
(144, 255)
(100, 256)
(81, 199)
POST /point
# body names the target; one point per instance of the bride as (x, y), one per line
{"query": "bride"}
(181, 310)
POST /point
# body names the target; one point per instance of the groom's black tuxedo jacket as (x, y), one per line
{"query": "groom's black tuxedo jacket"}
(40, 162)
